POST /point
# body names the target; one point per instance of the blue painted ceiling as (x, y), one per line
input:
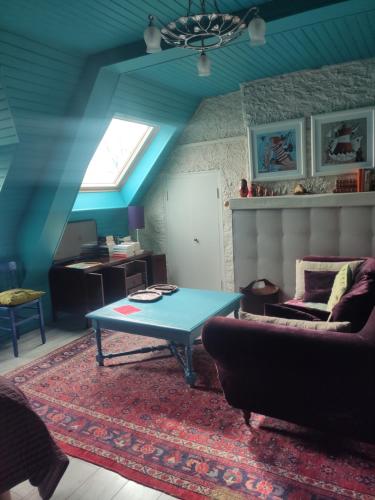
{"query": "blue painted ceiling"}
(90, 26)
(331, 35)
(325, 34)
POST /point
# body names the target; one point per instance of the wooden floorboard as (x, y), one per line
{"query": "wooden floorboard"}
(82, 480)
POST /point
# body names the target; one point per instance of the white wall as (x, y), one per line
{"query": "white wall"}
(215, 138)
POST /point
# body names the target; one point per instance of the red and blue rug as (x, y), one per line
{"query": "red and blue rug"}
(137, 417)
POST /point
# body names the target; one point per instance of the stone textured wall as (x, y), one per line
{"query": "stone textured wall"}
(216, 118)
(215, 138)
(306, 93)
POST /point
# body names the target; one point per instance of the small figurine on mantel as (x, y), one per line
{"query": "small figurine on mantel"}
(244, 190)
(252, 190)
(300, 189)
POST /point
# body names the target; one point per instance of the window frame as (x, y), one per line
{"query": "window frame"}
(130, 165)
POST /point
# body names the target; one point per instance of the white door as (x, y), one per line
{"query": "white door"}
(194, 234)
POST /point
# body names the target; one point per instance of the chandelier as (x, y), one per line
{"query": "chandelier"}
(204, 30)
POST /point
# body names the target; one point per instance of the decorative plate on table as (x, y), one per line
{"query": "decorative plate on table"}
(163, 288)
(145, 296)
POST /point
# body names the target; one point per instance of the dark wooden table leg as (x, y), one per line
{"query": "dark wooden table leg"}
(190, 375)
(183, 353)
(98, 337)
(41, 322)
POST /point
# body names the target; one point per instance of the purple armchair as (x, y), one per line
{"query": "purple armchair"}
(324, 380)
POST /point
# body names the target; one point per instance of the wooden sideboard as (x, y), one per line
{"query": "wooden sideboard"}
(81, 290)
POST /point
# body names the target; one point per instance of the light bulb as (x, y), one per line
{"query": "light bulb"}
(257, 31)
(152, 37)
(204, 65)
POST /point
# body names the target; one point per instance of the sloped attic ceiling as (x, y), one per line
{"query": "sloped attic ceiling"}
(301, 34)
(331, 35)
(90, 26)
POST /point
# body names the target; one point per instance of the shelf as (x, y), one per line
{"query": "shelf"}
(304, 201)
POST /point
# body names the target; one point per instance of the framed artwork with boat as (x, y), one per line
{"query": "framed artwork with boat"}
(342, 141)
(277, 150)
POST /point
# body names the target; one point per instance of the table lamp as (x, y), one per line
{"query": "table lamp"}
(136, 218)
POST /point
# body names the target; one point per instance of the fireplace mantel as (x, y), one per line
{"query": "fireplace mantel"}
(304, 201)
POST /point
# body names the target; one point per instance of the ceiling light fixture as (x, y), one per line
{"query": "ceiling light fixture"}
(205, 30)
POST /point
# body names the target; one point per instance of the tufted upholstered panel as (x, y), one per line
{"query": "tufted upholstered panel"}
(267, 241)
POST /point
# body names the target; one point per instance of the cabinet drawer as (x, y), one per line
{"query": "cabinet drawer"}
(133, 280)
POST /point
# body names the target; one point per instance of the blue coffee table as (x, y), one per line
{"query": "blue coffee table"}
(177, 318)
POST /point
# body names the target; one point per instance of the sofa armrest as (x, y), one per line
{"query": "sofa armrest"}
(238, 343)
(287, 371)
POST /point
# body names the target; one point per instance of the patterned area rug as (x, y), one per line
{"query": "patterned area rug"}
(137, 417)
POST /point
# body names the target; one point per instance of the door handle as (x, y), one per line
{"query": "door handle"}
(196, 240)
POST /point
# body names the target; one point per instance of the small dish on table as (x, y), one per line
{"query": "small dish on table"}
(145, 296)
(163, 288)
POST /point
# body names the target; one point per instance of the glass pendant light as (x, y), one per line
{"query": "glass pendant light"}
(204, 65)
(152, 37)
(257, 31)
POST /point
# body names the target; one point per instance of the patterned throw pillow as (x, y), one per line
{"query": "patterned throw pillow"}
(17, 296)
(341, 284)
(356, 305)
(305, 265)
(338, 326)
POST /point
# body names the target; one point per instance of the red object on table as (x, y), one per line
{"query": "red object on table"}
(127, 310)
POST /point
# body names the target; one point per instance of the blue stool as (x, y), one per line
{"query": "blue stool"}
(10, 317)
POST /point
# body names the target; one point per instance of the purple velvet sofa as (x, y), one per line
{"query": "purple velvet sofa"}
(324, 380)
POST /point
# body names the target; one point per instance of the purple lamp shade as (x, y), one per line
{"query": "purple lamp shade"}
(136, 217)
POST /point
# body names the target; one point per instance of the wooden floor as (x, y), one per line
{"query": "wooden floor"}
(82, 480)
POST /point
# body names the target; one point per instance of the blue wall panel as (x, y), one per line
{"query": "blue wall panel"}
(157, 104)
(39, 82)
(111, 221)
(54, 197)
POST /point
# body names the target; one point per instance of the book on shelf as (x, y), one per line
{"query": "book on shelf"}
(346, 183)
(355, 182)
(359, 180)
(367, 180)
(364, 180)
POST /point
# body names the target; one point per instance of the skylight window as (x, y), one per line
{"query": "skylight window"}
(117, 152)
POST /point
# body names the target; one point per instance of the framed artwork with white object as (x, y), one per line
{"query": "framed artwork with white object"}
(342, 141)
(277, 150)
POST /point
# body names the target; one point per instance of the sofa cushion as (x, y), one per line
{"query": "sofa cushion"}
(342, 326)
(356, 305)
(292, 311)
(303, 265)
(318, 285)
(341, 285)
(331, 258)
(320, 306)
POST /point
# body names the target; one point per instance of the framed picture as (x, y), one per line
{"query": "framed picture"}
(342, 141)
(277, 150)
